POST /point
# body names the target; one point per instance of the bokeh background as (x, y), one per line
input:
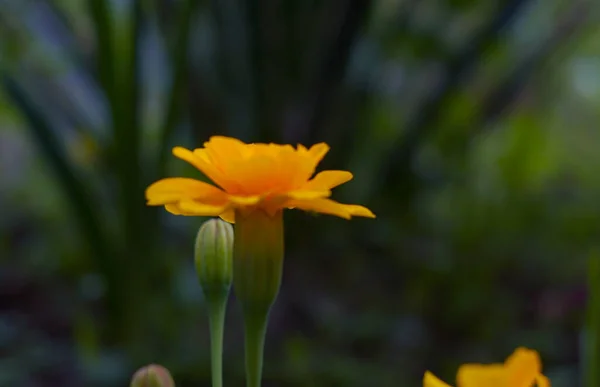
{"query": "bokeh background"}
(472, 128)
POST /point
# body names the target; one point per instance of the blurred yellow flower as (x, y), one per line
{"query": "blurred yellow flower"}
(270, 177)
(522, 369)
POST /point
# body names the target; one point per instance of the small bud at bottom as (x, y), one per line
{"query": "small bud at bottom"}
(152, 375)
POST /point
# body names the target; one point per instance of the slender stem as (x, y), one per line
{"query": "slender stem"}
(216, 317)
(256, 328)
(592, 341)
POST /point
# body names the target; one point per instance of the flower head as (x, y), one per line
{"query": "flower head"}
(521, 369)
(266, 176)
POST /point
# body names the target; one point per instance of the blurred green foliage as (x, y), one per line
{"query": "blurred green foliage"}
(471, 128)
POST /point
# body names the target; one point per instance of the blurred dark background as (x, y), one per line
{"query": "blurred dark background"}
(471, 127)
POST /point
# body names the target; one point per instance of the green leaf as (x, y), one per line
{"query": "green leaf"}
(75, 190)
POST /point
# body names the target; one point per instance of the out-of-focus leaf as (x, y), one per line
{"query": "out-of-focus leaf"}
(101, 16)
(75, 189)
(179, 59)
(50, 146)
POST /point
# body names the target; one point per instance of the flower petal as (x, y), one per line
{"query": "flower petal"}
(430, 380)
(174, 189)
(228, 216)
(228, 146)
(356, 210)
(224, 150)
(190, 207)
(522, 367)
(318, 151)
(200, 160)
(244, 200)
(327, 180)
(308, 194)
(477, 375)
(330, 207)
(174, 209)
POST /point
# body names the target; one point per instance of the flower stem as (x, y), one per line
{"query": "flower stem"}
(216, 318)
(255, 323)
(257, 271)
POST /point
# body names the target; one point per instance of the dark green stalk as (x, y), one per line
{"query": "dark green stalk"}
(134, 248)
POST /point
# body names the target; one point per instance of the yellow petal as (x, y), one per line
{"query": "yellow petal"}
(199, 160)
(318, 151)
(174, 189)
(430, 380)
(327, 180)
(187, 155)
(522, 367)
(228, 215)
(244, 200)
(308, 194)
(330, 207)
(255, 176)
(224, 150)
(189, 207)
(477, 375)
(228, 146)
(174, 209)
(356, 210)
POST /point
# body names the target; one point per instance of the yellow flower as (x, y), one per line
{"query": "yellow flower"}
(522, 369)
(270, 177)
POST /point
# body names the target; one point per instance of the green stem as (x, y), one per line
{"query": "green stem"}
(255, 323)
(216, 317)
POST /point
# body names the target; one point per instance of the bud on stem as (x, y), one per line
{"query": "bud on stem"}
(152, 375)
(257, 266)
(213, 258)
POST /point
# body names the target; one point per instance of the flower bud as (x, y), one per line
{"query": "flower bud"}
(152, 375)
(213, 257)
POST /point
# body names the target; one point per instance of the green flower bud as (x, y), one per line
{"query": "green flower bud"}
(213, 257)
(152, 375)
(214, 265)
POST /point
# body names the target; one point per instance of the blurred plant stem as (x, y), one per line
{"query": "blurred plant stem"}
(592, 331)
(255, 328)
